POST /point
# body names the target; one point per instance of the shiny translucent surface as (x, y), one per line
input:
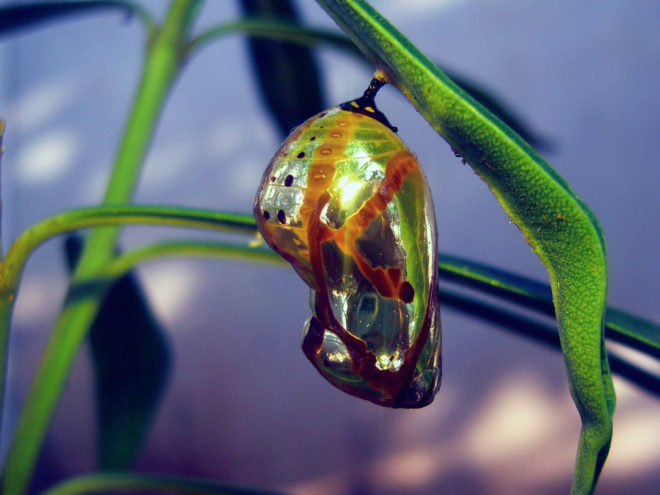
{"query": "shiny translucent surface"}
(347, 204)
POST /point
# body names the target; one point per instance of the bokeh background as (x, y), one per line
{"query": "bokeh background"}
(243, 405)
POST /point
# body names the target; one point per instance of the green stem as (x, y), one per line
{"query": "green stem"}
(104, 216)
(275, 30)
(488, 280)
(554, 220)
(630, 330)
(68, 221)
(543, 332)
(241, 252)
(635, 332)
(137, 483)
(162, 64)
(620, 326)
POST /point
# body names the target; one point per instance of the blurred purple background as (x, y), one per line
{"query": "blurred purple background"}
(244, 405)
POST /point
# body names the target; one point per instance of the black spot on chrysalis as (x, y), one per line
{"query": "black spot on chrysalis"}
(407, 293)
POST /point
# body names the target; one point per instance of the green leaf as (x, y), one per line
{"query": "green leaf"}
(131, 361)
(16, 17)
(623, 327)
(544, 333)
(287, 73)
(555, 222)
(633, 331)
(620, 326)
(268, 29)
(486, 279)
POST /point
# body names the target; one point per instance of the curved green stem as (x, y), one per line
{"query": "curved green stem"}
(620, 326)
(101, 216)
(138, 483)
(489, 280)
(276, 30)
(61, 352)
(628, 329)
(104, 216)
(555, 222)
(165, 53)
(529, 293)
(242, 252)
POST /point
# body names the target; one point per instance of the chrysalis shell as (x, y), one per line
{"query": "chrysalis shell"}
(347, 204)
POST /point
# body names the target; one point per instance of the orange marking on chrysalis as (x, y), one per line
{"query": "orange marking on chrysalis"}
(387, 282)
(320, 177)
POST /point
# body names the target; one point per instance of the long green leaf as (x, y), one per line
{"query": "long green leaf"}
(268, 29)
(131, 361)
(287, 74)
(620, 326)
(555, 222)
(629, 329)
(165, 53)
(542, 332)
(450, 268)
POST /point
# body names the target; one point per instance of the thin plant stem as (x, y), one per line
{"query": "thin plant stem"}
(68, 221)
(105, 216)
(193, 248)
(275, 30)
(452, 269)
(163, 62)
(147, 483)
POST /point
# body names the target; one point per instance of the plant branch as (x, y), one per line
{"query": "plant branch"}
(162, 64)
(275, 30)
(104, 216)
(451, 269)
(139, 483)
(556, 223)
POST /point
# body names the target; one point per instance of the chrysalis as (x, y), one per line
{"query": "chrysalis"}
(347, 204)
